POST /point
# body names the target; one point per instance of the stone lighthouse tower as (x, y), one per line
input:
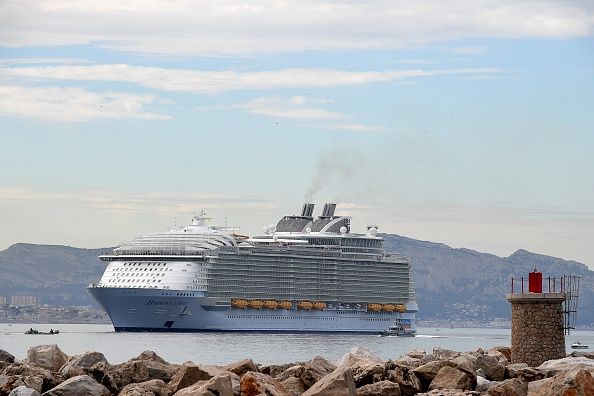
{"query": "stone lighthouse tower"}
(538, 332)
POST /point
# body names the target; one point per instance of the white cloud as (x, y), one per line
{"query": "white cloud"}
(188, 27)
(354, 127)
(73, 104)
(220, 81)
(294, 107)
(119, 201)
(43, 61)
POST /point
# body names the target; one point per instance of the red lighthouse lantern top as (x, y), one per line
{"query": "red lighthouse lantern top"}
(535, 282)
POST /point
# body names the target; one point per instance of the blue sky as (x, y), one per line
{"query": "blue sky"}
(468, 123)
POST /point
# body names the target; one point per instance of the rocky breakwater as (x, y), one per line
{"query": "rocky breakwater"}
(48, 371)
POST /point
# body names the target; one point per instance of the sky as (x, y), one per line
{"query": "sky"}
(469, 123)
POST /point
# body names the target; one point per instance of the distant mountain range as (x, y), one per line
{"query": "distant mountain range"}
(451, 284)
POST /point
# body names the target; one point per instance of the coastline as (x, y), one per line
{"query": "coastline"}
(360, 372)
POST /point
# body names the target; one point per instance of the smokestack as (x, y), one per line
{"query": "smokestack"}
(307, 210)
(328, 210)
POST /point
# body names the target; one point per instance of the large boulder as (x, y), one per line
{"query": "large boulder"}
(403, 376)
(274, 370)
(294, 385)
(47, 356)
(444, 354)
(254, 384)
(382, 388)
(505, 351)
(219, 385)
(451, 378)
(449, 392)
(81, 385)
(523, 372)
(552, 367)
(79, 364)
(365, 366)
(510, 387)
(154, 387)
(241, 367)
(416, 353)
(24, 391)
(427, 372)
(6, 357)
(38, 378)
(187, 375)
(577, 382)
(408, 361)
(483, 384)
(309, 372)
(359, 356)
(340, 382)
(157, 367)
(493, 368)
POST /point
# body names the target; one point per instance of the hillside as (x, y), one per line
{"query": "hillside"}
(455, 284)
(451, 283)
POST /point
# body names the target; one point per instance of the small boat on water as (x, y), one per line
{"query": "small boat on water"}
(397, 330)
(579, 345)
(35, 331)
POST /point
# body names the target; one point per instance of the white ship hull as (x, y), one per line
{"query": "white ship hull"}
(133, 309)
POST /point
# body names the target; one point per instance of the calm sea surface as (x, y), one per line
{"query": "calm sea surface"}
(222, 348)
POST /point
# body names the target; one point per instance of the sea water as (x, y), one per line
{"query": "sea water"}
(223, 348)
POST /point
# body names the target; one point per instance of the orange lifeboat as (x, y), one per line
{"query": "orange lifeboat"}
(400, 308)
(374, 307)
(255, 304)
(286, 304)
(239, 303)
(270, 304)
(304, 305)
(319, 305)
(388, 307)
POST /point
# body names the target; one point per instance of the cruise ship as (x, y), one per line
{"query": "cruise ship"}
(304, 274)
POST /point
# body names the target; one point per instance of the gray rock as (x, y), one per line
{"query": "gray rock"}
(24, 391)
(427, 372)
(38, 378)
(577, 382)
(408, 382)
(408, 361)
(47, 356)
(483, 384)
(510, 387)
(451, 378)
(6, 357)
(294, 385)
(81, 385)
(309, 372)
(359, 356)
(241, 367)
(444, 354)
(493, 368)
(416, 353)
(552, 367)
(382, 388)
(149, 388)
(187, 375)
(253, 384)
(79, 364)
(449, 392)
(340, 382)
(506, 351)
(220, 385)
(481, 373)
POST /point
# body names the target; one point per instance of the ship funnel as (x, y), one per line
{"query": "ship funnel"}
(307, 210)
(328, 210)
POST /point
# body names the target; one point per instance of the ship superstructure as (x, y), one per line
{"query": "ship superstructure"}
(303, 274)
